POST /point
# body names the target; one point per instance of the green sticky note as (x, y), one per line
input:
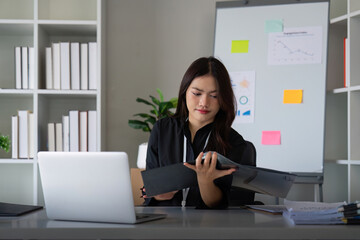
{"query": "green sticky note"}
(273, 26)
(239, 46)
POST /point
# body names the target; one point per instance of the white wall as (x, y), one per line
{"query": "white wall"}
(150, 44)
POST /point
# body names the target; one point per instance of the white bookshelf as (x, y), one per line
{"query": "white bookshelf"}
(38, 23)
(345, 22)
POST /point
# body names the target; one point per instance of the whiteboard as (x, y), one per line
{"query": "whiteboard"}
(276, 53)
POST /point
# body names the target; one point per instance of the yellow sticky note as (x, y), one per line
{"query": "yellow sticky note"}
(293, 96)
(239, 46)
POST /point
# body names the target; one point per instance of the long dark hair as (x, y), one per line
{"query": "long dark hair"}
(219, 140)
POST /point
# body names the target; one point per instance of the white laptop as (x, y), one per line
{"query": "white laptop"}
(89, 186)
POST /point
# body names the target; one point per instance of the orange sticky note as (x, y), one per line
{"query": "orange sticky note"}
(271, 138)
(293, 96)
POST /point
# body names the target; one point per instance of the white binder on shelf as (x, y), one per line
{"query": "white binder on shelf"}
(15, 136)
(66, 136)
(92, 65)
(31, 68)
(65, 65)
(25, 67)
(84, 74)
(51, 137)
(83, 131)
(49, 68)
(56, 65)
(75, 65)
(18, 68)
(23, 133)
(58, 137)
(92, 131)
(74, 130)
(31, 129)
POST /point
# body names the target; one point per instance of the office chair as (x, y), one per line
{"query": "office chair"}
(237, 194)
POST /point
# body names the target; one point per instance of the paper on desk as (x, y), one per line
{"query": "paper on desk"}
(301, 212)
(274, 209)
(303, 207)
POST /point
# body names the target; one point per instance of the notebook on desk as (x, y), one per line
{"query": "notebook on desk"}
(89, 186)
(14, 210)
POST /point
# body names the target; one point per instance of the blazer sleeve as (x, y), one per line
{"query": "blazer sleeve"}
(152, 155)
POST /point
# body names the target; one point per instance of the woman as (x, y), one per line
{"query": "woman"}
(201, 123)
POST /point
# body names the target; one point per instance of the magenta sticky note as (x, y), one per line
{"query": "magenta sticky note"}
(271, 138)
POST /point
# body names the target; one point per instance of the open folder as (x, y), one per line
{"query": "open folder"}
(177, 176)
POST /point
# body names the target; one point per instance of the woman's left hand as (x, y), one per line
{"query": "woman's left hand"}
(206, 171)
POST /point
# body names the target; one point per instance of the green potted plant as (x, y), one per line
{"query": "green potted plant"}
(4, 143)
(159, 109)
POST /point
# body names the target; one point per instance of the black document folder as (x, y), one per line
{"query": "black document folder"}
(13, 210)
(167, 179)
(177, 176)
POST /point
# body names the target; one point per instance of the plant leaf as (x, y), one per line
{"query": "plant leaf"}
(160, 109)
(138, 124)
(155, 100)
(174, 101)
(156, 112)
(146, 129)
(5, 143)
(169, 113)
(150, 104)
(151, 120)
(140, 100)
(143, 115)
(160, 94)
(164, 106)
(148, 118)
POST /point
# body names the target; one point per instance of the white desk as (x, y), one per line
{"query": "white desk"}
(234, 223)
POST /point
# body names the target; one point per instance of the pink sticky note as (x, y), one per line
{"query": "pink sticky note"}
(271, 138)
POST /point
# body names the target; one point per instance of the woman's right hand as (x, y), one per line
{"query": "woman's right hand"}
(165, 196)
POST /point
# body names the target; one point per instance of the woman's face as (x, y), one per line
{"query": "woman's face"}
(201, 100)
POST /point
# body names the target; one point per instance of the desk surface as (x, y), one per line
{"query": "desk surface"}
(233, 223)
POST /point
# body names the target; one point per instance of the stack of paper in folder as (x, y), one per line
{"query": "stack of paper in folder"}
(351, 213)
(313, 212)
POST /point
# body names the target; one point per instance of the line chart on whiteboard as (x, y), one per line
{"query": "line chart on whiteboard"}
(295, 46)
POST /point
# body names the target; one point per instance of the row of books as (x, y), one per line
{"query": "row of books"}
(76, 132)
(24, 67)
(71, 66)
(22, 135)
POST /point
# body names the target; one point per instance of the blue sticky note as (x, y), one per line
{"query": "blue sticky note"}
(274, 26)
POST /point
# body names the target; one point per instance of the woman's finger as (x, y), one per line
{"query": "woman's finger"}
(198, 163)
(207, 159)
(222, 173)
(188, 165)
(213, 160)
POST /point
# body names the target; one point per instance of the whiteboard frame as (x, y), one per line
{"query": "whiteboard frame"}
(302, 177)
